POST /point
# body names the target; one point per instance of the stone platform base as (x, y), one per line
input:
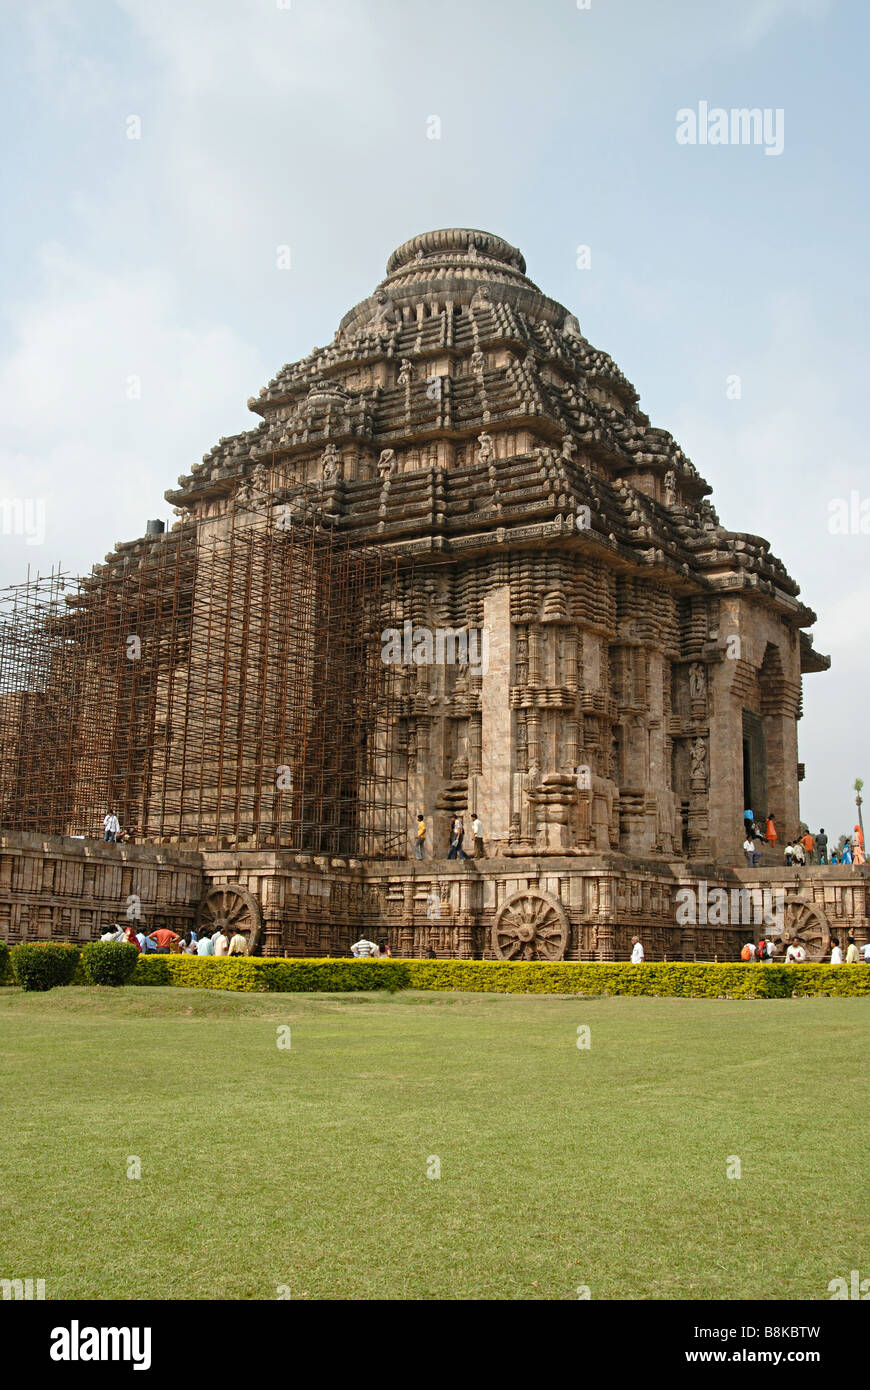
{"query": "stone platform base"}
(545, 907)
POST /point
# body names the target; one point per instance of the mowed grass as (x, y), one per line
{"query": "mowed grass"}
(306, 1169)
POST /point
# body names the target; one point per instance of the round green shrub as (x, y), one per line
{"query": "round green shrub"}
(108, 962)
(44, 964)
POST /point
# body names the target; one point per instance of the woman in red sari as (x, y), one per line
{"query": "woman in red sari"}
(770, 834)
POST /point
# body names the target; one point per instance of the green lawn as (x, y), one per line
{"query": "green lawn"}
(307, 1168)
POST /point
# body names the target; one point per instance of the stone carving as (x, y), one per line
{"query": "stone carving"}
(229, 905)
(571, 326)
(670, 488)
(699, 759)
(387, 463)
(569, 447)
(486, 448)
(406, 371)
(384, 315)
(697, 681)
(481, 298)
(330, 461)
(478, 361)
(530, 925)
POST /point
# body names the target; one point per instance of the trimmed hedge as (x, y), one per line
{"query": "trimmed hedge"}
(686, 980)
(677, 979)
(45, 964)
(263, 974)
(108, 962)
(6, 976)
(683, 979)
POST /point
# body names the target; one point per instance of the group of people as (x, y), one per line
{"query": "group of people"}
(457, 837)
(162, 941)
(802, 849)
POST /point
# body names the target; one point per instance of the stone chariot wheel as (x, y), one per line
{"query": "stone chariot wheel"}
(232, 907)
(530, 925)
(807, 924)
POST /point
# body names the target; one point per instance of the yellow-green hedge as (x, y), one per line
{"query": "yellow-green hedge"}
(274, 973)
(681, 978)
(326, 975)
(674, 978)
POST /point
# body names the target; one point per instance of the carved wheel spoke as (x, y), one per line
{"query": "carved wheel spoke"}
(530, 925)
(235, 909)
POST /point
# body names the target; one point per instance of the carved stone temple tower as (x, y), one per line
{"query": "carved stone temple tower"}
(580, 652)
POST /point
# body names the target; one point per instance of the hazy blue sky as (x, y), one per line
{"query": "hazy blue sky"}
(306, 126)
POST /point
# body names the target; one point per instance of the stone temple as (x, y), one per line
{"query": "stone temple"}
(453, 569)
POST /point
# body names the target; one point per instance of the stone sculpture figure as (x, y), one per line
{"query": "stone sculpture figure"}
(387, 462)
(697, 681)
(486, 450)
(670, 488)
(699, 759)
(406, 371)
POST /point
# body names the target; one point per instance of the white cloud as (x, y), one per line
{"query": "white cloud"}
(74, 436)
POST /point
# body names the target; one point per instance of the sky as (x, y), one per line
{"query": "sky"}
(159, 154)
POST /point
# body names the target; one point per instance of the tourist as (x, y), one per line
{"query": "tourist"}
(362, 948)
(430, 955)
(836, 953)
(457, 835)
(753, 858)
(205, 945)
(420, 838)
(791, 953)
(477, 833)
(822, 846)
(221, 944)
(147, 943)
(770, 834)
(846, 856)
(131, 938)
(761, 950)
(238, 944)
(789, 855)
(637, 956)
(176, 947)
(384, 949)
(165, 939)
(858, 837)
(858, 856)
(799, 853)
(111, 827)
(113, 933)
(852, 956)
(800, 954)
(835, 858)
(867, 953)
(809, 845)
(748, 952)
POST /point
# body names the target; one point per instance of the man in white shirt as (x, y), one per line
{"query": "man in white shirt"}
(111, 827)
(363, 948)
(636, 951)
(750, 947)
(221, 944)
(114, 933)
(477, 832)
(867, 954)
(836, 953)
(752, 855)
(205, 945)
